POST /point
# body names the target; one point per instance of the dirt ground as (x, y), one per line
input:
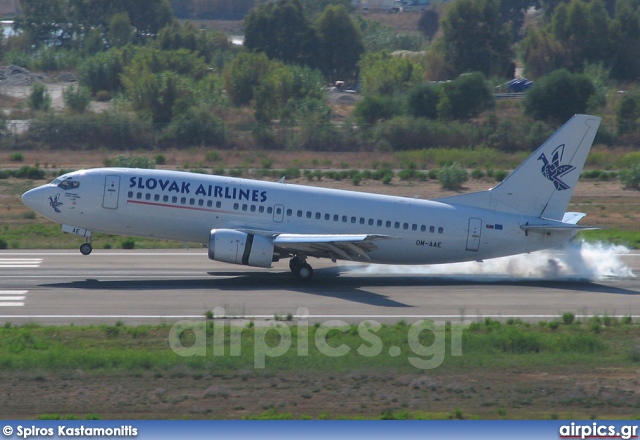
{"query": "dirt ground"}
(515, 394)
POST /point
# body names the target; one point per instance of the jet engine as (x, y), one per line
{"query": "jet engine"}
(231, 246)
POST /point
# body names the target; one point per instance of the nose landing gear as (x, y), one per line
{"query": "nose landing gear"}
(301, 268)
(86, 248)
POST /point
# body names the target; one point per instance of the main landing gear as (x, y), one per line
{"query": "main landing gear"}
(86, 248)
(301, 268)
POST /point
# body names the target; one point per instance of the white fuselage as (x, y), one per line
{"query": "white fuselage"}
(186, 207)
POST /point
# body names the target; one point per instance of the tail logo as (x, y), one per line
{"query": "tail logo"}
(54, 203)
(553, 170)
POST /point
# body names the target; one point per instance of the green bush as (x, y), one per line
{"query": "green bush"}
(76, 98)
(452, 176)
(16, 157)
(500, 175)
(115, 130)
(3, 243)
(568, 318)
(194, 127)
(627, 113)
(630, 178)
(373, 108)
(39, 98)
(558, 96)
(465, 97)
(160, 159)
(422, 101)
(128, 243)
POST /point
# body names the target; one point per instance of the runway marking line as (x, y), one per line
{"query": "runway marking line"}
(16, 263)
(271, 317)
(12, 298)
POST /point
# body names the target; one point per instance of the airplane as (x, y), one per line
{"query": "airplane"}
(256, 223)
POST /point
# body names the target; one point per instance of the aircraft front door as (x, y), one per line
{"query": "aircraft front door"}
(278, 213)
(475, 230)
(111, 192)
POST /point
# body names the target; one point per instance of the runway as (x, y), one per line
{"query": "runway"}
(135, 287)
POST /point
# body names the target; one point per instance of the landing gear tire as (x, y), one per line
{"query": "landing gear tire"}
(294, 264)
(305, 272)
(85, 248)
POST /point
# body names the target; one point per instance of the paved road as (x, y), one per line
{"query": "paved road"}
(165, 286)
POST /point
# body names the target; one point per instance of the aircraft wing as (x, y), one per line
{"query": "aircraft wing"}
(334, 246)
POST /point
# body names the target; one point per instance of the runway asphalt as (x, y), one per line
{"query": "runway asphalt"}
(135, 287)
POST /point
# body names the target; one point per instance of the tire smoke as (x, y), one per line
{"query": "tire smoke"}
(579, 261)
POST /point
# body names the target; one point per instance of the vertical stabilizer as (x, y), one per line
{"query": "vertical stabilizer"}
(543, 184)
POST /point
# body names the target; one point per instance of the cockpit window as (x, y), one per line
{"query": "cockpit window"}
(69, 184)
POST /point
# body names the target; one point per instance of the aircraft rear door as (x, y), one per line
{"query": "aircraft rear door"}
(475, 230)
(111, 192)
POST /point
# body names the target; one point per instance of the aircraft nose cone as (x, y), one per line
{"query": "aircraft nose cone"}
(33, 199)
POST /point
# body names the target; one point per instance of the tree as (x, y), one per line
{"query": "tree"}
(285, 92)
(63, 22)
(120, 30)
(243, 74)
(39, 98)
(373, 108)
(514, 11)
(627, 114)
(340, 43)
(281, 30)
(157, 94)
(465, 97)
(476, 38)
(44, 21)
(76, 98)
(423, 100)
(429, 23)
(626, 33)
(102, 71)
(384, 74)
(542, 53)
(558, 96)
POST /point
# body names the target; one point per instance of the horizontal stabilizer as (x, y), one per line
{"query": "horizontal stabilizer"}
(555, 227)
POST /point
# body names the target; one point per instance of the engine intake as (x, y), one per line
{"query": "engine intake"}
(235, 247)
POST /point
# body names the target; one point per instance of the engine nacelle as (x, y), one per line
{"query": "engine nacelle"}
(231, 246)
